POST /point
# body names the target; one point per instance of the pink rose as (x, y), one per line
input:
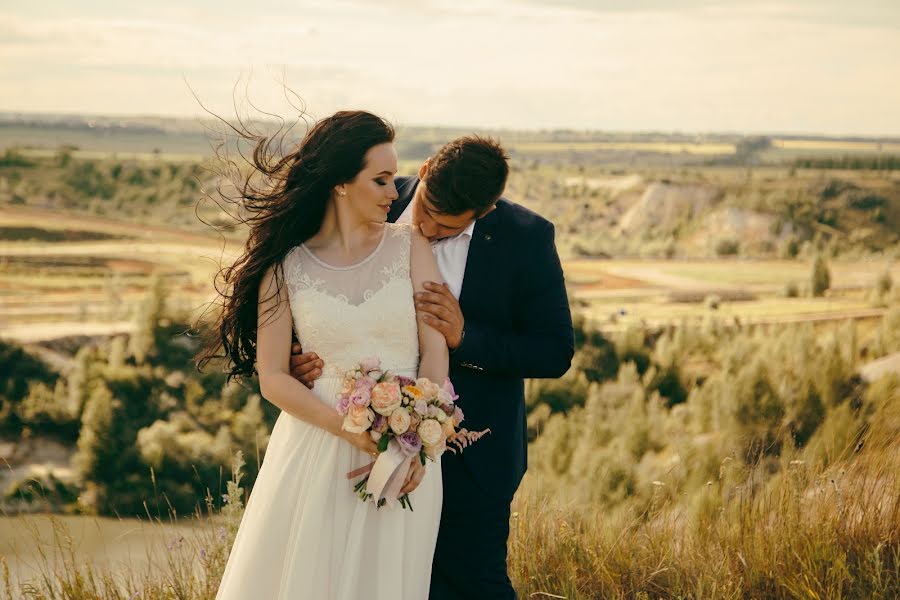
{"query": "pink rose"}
(399, 421)
(458, 415)
(369, 364)
(364, 383)
(385, 398)
(448, 387)
(360, 398)
(343, 405)
(430, 432)
(358, 419)
(421, 407)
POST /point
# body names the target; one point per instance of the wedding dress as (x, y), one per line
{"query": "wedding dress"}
(305, 533)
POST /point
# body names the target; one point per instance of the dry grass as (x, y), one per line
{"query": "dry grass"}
(811, 534)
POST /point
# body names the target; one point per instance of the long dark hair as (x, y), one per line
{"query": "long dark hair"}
(283, 201)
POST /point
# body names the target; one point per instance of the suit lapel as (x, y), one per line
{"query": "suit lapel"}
(479, 263)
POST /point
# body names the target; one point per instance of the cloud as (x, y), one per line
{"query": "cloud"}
(512, 63)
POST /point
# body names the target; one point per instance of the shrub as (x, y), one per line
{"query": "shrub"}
(820, 280)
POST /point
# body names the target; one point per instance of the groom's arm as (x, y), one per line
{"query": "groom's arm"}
(541, 343)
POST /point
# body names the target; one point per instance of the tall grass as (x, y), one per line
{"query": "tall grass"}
(811, 533)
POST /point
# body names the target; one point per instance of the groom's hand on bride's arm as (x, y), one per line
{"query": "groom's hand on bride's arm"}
(305, 367)
(441, 310)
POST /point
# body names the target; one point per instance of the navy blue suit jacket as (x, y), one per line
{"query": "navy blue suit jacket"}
(517, 325)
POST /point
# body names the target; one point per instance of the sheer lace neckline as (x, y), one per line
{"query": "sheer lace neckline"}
(360, 263)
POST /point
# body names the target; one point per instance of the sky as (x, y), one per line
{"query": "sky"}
(802, 66)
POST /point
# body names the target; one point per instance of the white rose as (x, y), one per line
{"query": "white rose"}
(430, 432)
(399, 421)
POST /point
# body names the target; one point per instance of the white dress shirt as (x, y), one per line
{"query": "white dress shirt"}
(452, 253)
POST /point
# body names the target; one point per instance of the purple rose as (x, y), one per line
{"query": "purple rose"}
(343, 405)
(404, 381)
(360, 398)
(380, 423)
(410, 443)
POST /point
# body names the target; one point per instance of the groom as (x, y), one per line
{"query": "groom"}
(505, 316)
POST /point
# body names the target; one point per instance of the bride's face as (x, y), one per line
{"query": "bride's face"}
(373, 190)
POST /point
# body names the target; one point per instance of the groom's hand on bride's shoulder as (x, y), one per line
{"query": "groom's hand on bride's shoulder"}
(305, 367)
(440, 309)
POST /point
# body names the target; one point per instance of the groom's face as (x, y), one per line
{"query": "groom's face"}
(431, 222)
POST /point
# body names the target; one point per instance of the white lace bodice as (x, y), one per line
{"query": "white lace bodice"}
(346, 314)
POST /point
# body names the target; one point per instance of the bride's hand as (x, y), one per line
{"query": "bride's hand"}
(362, 441)
(415, 475)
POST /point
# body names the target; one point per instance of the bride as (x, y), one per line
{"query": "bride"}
(321, 259)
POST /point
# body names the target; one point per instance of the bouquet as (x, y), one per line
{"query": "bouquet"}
(406, 418)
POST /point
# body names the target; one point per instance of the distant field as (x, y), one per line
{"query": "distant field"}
(112, 154)
(837, 146)
(660, 147)
(656, 292)
(51, 285)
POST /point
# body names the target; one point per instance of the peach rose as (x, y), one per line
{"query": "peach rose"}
(414, 393)
(428, 388)
(399, 421)
(434, 452)
(430, 431)
(385, 398)
(358, 419)
(448, 428)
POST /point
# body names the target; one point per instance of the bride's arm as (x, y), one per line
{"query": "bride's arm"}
(433, 353)
(273, 351)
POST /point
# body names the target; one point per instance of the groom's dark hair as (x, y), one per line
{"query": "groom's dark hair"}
(468, 173)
